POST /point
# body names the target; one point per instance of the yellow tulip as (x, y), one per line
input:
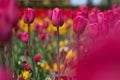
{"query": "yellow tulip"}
(25, 74)
(47, 67)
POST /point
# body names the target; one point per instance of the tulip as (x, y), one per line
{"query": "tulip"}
(29, 15)
(79, 24)
(42, 36)
(100, 16)
(37, 57)
(57, 18)
(93, 17)
(105, 25)
(23, 36)
(117, 27)
(36, 26)
(7, 19)
(26, 66)
(5, 73)
(93, 30)
(26, 52)
(45, 24)
(50, 14)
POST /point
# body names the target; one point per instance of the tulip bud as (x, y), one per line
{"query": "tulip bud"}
(93, 30)
(29, 15)
(37, 57)
(79, 24)
(57, 18)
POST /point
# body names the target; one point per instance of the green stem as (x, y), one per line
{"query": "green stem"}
(58, 54)
(29, 49)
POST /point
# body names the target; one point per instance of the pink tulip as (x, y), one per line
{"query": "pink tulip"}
(26, 52)
(5, 73)
(45, 24)
(57, 18)
(105, 25)
(29, 15)
(102, 62)
(26, 66)
(79, 24)
(100, 16)
(93, 30)
(117, 27)
(93, 17)
(42, 36)
(37, 57)
(50, 12)
(23, 36)
(36, 28)
(7, 19)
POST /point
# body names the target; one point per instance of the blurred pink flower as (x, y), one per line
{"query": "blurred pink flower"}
(36, 24)
(26, 66)
(37, 57)
(5, 73)
(105, 25)
(42, 36)
(79, 24)
(45, 24)
(23, 36)
(29, 15)
(7, 19)
(57, 17)
(50, 12)
(93, 30)
(93, 17)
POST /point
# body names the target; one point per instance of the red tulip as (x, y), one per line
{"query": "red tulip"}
(26, 52)
(79, 24)
(37, 57)
(29, 15)
(93, 30)
(57, 18)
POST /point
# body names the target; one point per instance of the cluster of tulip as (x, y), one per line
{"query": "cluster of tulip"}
(47, 44)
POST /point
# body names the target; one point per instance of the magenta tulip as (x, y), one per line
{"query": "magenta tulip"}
(79, 24)
(50, 12)
(37, 57)
(93, 17)
(100, 16)
(7, 19)
(117, 27)
(36, 28)
(93, 30)
(23, 36)
(105, 25)
(57, 18)
(42, 36)
(45, 24)
(29, 15)
(26, 66)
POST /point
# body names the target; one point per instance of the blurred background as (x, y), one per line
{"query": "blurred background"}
(66, 3)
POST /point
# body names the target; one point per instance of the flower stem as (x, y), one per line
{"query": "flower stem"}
(29, 49)
(58, 54)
